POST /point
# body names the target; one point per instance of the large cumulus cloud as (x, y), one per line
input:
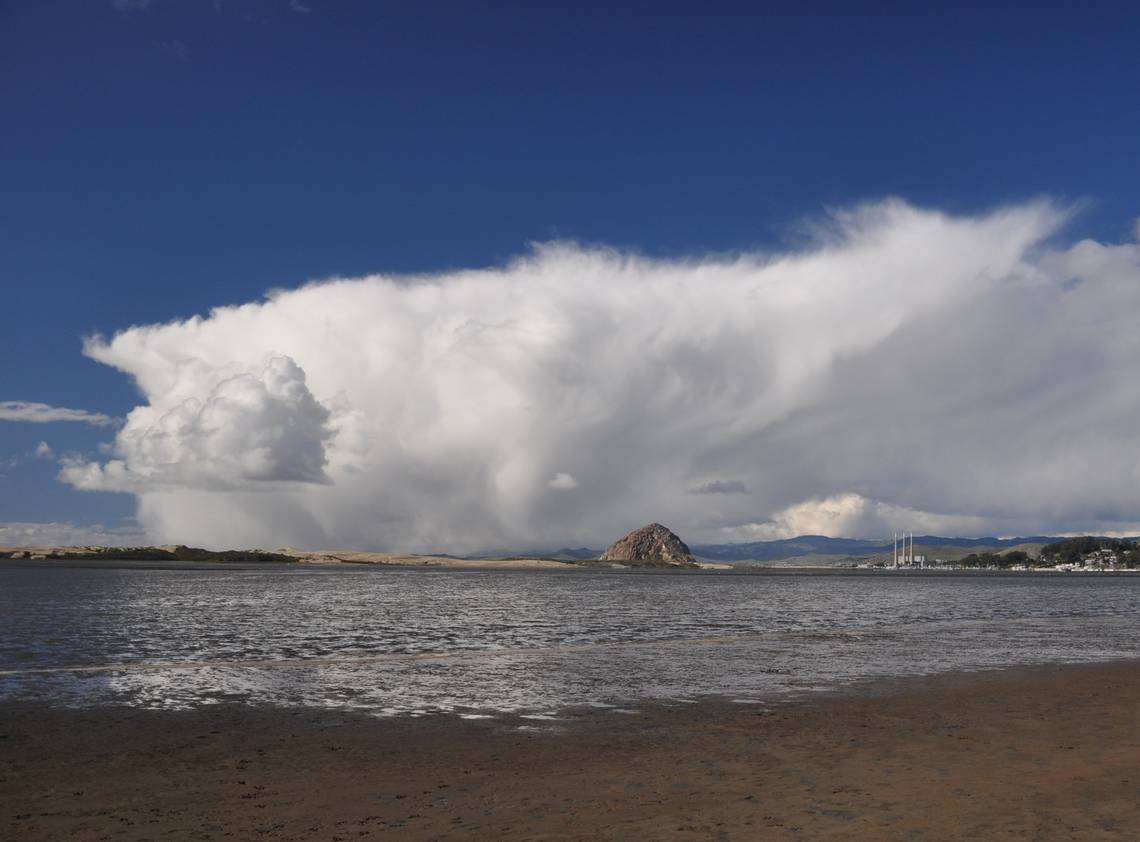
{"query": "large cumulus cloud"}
(221, 427)
(903, 364)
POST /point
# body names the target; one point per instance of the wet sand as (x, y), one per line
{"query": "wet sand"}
(1043, 754)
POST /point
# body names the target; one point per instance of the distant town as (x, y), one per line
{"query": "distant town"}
(1083, 554)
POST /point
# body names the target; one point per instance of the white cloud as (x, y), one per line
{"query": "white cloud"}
(228, 426)
(957, 369)
(299, 7)
(130, 5)
(42, 413)
(720, 486)
(853, 515)
(64, 534)
(40, 451)
(563, 482)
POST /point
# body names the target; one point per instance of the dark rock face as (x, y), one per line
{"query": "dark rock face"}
(650, 546)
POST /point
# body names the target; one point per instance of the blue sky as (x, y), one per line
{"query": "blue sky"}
(162, 158)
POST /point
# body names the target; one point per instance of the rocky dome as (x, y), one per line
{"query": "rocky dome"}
(652, 545)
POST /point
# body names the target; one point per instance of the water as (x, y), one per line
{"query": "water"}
(405, 641)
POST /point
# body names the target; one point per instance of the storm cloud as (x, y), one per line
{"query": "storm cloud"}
(903, 366)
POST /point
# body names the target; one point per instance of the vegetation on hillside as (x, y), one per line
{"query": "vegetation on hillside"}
(179, 553)
(1086, 550)
(1000, 560)
(1074, 550)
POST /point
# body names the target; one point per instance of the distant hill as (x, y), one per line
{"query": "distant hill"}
(821, 545)
(165, 553)
(580, 554)
(653, 545)
(562, 554)
(807, 549)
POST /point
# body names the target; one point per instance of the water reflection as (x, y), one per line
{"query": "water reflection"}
(405, 641)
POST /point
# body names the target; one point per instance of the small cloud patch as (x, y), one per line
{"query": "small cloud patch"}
(68, 534)
(562, 482)
(42, 413)
(720, 486)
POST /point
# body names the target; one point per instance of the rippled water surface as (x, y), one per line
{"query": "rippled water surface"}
(393, 641)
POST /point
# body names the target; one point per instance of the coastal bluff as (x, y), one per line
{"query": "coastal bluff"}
(652, 545)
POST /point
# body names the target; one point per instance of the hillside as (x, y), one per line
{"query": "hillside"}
(824, 550)
(165, 553)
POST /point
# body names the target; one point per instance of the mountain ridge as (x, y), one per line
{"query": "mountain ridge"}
(802, 545)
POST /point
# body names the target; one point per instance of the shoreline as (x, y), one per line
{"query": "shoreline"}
(403, 561)
(1040, 752)
(543, 566)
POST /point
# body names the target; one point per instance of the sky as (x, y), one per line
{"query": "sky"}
(465, 276)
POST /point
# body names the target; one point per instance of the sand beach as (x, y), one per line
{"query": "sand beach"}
(1042, 753)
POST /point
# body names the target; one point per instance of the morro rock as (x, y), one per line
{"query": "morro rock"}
(650, 546)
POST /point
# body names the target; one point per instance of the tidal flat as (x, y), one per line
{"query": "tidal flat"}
(1031, 753)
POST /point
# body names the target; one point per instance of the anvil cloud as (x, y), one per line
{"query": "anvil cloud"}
(903, 366)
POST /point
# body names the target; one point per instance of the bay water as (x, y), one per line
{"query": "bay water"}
(406, 641)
